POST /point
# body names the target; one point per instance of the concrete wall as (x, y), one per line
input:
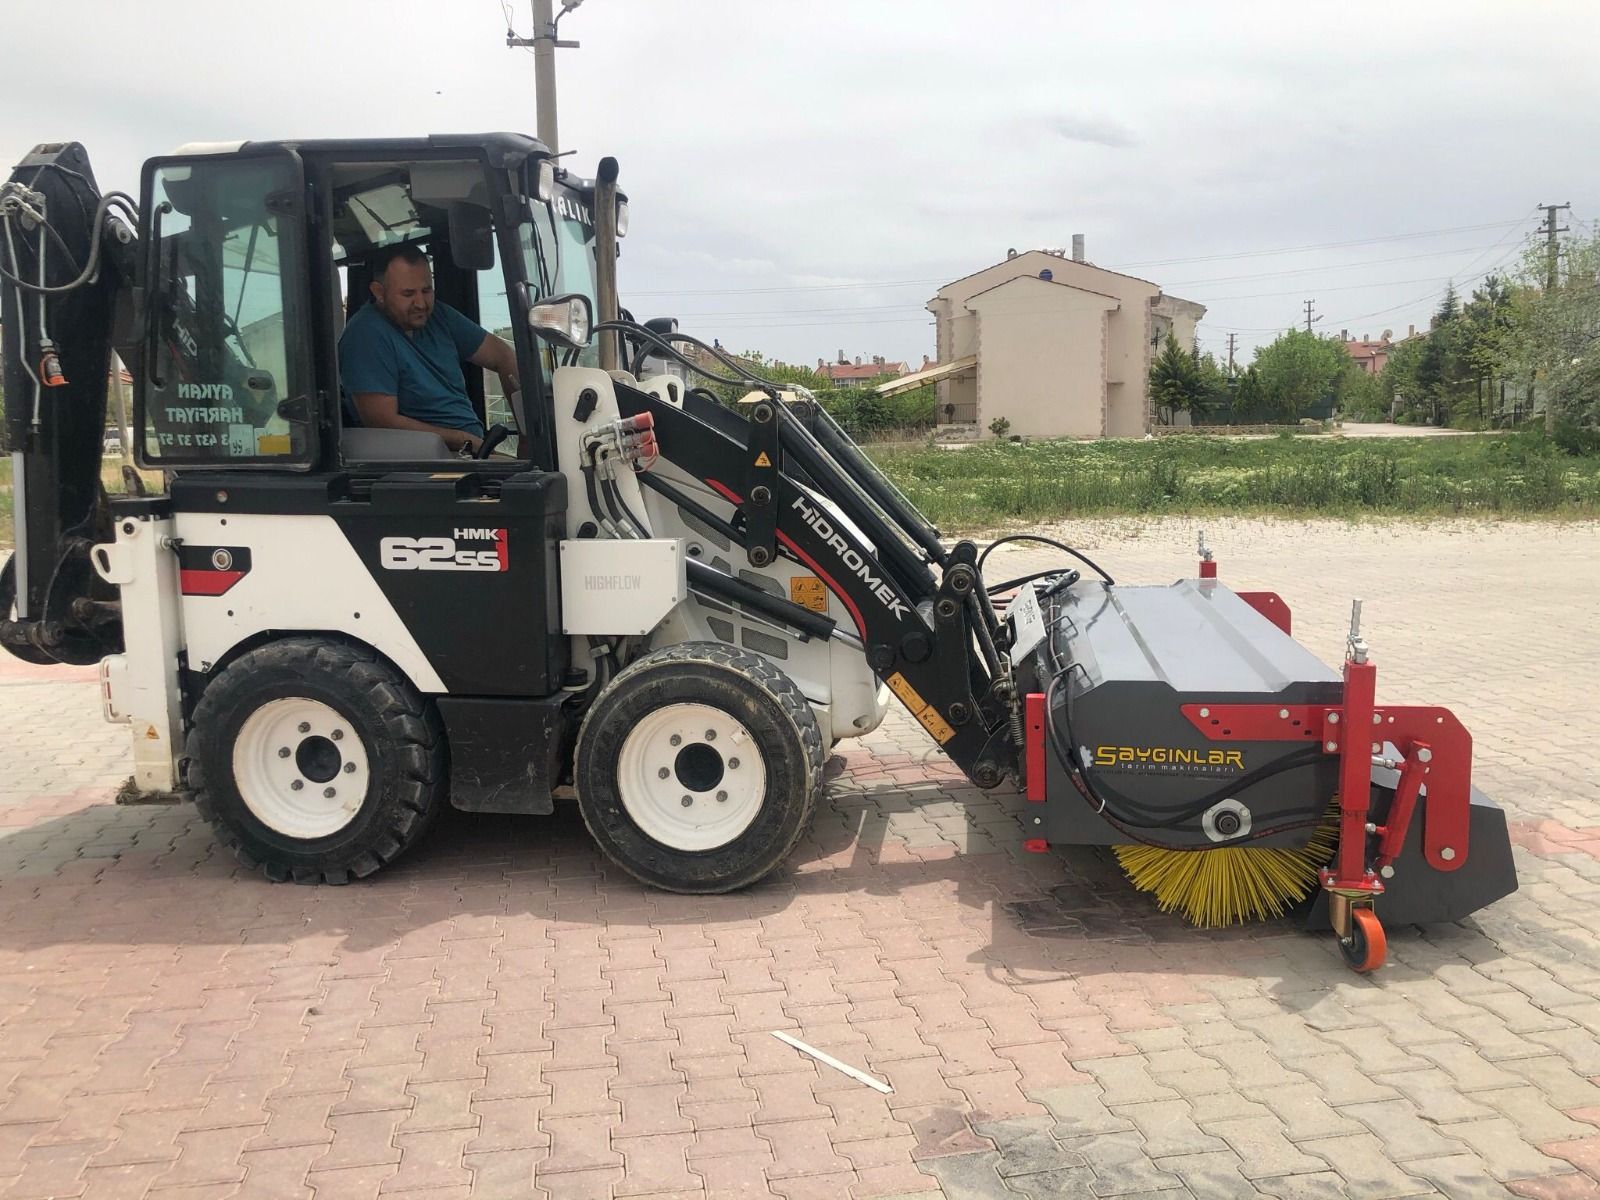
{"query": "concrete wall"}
(962, 391)
(1042, 358)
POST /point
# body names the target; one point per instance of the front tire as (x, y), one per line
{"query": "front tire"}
(314, 760)
(699, 768)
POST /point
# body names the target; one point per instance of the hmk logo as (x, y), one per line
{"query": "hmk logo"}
(443, 553)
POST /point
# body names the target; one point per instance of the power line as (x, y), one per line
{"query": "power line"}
(1437, 291)
(1186, 283)
(1394, 237)
(888, 283)
(1365, 262)
(830, 324)
(1212, 301)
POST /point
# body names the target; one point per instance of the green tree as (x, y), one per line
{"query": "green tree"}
(1556, 345)
(1215, 385)
(1402, 390)
(1449, 307)
(1249, 400)
(1177, 382)
(1359, 396)
(1298, 370)
(1488, 343)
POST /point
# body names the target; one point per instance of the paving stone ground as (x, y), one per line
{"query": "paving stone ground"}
(502, 1014)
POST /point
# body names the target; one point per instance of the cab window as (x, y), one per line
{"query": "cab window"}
(225, 322)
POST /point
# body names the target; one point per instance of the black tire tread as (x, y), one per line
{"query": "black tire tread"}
(796, 708)
(412, 726)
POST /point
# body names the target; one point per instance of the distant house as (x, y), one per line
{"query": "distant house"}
(845, 373)
(1055, 346)
(1369, 354)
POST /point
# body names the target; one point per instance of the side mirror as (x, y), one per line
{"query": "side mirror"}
(566, 320)
(471, 236)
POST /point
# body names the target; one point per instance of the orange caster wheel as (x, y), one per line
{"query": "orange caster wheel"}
(1366, 947)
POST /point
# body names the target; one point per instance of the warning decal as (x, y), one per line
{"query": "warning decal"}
(762, 460)
(923, 712)
(808, 592)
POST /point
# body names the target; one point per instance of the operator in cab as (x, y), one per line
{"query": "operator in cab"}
(401, 356)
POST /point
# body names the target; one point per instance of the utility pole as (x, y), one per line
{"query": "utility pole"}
(1552, 280)
(1233, 340)
(545, 43)
(1309, 317)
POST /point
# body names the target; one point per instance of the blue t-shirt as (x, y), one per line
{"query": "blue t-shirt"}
(423, 371)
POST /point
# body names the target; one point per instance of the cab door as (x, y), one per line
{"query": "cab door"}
(229, 378)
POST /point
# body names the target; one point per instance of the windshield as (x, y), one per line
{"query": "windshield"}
(558, 255)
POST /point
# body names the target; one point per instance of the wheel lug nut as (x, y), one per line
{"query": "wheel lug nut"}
(676, 740)
(711, 735)
(305, 727)
(687, 801)
(663, 773)
(283, 752)
(296, 784)
(721, 796)
(350, 768)
(329, 793)
(733, 764)
(337, 735)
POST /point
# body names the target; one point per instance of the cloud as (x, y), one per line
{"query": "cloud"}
(1097, 131)
(895, 147)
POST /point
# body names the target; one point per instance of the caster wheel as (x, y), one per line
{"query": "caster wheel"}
(1367, 947)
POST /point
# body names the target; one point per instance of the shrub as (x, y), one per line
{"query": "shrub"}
(1575, 438)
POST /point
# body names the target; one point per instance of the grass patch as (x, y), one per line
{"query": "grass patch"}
(990, 484)
(994, 483)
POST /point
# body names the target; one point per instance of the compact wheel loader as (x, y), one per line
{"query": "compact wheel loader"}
(324, 633)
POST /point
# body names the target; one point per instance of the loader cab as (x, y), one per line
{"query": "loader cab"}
(257, 254)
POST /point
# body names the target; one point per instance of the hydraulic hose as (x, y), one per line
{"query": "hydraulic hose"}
(1062, 546)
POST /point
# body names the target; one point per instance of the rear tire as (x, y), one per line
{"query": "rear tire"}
(720, 728)
(314, 760)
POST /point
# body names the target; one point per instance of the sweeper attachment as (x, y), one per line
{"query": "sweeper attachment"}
(635, 594)
(1236, 775)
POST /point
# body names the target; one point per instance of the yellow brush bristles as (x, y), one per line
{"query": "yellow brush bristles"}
(1230, 884)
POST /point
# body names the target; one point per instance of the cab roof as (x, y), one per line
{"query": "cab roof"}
(501, 149)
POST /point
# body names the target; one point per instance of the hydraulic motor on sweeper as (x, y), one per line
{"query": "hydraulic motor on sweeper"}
(322, 633)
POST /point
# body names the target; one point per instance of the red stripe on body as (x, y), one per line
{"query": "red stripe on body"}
(207, 583)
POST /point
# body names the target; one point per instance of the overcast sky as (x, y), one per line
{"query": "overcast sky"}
(805, 174)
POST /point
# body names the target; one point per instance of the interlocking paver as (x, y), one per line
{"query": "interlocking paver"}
(655, 1163)
(155, 1002)
(1120, 1164)
(1537, 1119)
(1360, 1161)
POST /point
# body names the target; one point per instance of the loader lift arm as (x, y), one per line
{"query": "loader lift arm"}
(789, 474)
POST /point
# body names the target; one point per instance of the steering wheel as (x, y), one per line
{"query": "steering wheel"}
(497, 434)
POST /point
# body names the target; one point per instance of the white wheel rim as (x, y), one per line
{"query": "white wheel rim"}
(697, 753)
(301, 768)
